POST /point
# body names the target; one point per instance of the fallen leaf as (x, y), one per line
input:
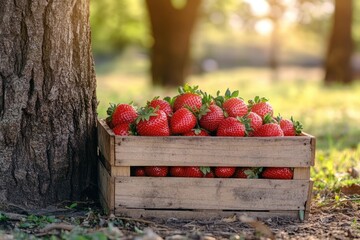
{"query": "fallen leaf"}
(351, 189)
(230, 219)
(258, 225)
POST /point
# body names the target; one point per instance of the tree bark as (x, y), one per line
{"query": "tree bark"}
(47, 102)
(171, 30)
(338, 58)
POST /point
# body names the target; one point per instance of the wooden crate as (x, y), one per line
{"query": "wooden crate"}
(123, 194)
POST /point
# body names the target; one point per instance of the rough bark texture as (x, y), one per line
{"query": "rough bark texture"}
(338, 58)
(171, 29)
(47, 101)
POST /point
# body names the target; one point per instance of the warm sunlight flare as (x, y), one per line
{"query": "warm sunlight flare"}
(264, 27)
(259, 7)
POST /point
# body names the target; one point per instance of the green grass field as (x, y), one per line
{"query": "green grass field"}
(332, 114)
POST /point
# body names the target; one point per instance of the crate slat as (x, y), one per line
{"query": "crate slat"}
(205, 193)
(106, 188)
(208, 214)
(106, 141)
(213, 151)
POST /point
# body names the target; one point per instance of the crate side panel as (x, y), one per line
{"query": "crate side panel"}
(226, 194)
(213, 151)
(106, 142)
(106, 188)
(208, 214)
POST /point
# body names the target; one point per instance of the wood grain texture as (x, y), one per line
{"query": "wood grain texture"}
(106, 188)
(214, 151)
(209, 214)
(47, 103)
(302, 173)
(225, 194)
(106, 142)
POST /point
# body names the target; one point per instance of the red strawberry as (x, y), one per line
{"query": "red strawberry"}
(231, 127)
(290, 127)
(139, 171)
(196, 172)
(177, 171)
(224, 172)
(210, 174)
(122, 113)
(277, 173)
(255, 121)
(152, 122)
(235, 107)
(182, 121)
(189, 97)
(197, 132)
(122, 129)
(260, 106)
(156, 171)
(210, 117)
(193, 172)
(240, 172)
(247, 172)
(269, 130)
(162, 105)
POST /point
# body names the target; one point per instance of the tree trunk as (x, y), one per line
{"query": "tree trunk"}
(171, 29)
(338, 59)
(47, 102)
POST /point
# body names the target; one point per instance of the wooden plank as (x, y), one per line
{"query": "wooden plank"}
(106, 141)
(106, 188)
(213, 151)
(120, 171)
(313, 150)
(308, 201)
(202, 193)
(211, 214)
(302, 173)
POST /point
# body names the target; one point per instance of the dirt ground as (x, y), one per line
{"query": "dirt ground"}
(335, 220)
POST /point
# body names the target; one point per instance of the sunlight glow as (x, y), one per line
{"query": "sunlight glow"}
(259, 7)
(264, 27)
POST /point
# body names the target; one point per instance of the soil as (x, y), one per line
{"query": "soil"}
(334, 220)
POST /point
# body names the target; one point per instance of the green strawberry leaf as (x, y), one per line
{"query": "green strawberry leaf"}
(205, 170)
(297, 125)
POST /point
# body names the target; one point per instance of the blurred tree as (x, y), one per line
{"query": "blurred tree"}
(172, 26)
(47, 102)
(340, 48)
(117, 24)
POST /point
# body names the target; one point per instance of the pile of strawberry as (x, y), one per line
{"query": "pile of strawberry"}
(195, 113)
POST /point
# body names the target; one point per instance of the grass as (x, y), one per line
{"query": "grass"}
(332, 114)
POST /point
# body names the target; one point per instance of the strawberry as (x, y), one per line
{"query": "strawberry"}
(122, 129)
(289, 127)
(247, 172)
(162, 105)
(210, 174)
(270, 128)
(152, 122)
(210, 117)
(177, 171)
(224, 172)
(260, 106)
(188, 97)
(182, 121)
(255, 121)
(196, 172)
(156, 171)
(139, 172)
(277, 173)
(235, 107)
(121, 113)
(197, 132)
(231, 127)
